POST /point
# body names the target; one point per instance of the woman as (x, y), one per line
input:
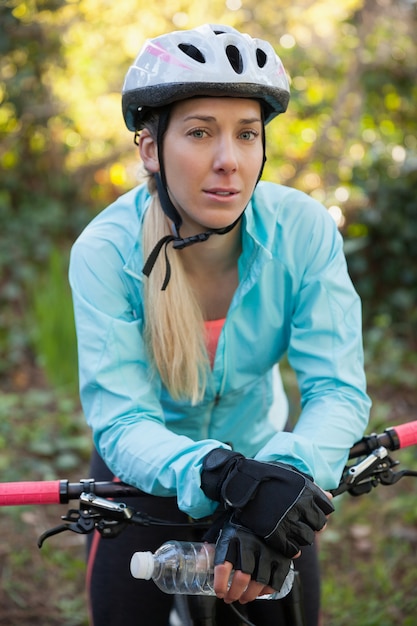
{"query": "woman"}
(187, 291)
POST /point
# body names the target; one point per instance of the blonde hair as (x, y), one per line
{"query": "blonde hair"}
(174, 324)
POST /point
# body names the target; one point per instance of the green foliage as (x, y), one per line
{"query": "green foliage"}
(50, 324)
(385, 271)
(65, 153)
(42, 436)
(40, 204)
(367, 560)
(390, 358)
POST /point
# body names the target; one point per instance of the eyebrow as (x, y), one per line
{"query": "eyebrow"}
(211, 118)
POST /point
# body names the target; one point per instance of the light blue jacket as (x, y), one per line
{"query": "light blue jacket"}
(294, 297)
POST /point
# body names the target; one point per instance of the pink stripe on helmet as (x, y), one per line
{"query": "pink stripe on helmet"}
(160, 52)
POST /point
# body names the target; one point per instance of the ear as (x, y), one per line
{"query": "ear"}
(148, 151)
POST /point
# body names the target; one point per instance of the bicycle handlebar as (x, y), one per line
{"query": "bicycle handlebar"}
(393, 438)
(62, 491)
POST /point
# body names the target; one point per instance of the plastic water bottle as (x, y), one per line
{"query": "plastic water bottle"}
(184, 567)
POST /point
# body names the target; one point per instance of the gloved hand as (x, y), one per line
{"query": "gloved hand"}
(251, 555)
(273, 500)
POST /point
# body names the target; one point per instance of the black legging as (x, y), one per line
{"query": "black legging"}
(118, 599)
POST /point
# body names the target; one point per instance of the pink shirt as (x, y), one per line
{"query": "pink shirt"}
(213, 330)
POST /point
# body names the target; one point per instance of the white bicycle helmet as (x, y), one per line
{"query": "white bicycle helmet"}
(206, 61)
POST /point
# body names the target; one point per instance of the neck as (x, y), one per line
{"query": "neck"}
(212, 270)
(218, 254)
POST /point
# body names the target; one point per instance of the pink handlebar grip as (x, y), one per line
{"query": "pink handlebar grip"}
(407, 434)
(35, 492)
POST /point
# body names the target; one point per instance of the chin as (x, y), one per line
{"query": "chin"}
(224, 221)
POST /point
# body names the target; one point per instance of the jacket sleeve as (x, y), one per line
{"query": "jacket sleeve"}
(119, 395)
(325, 351)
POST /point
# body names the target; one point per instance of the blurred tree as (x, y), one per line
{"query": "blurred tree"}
(349, 134)
(38, 201)
(385, 269)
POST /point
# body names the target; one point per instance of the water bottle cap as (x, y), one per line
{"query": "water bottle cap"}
(142, 565)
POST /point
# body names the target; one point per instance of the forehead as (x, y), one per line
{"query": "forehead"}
(235, 108)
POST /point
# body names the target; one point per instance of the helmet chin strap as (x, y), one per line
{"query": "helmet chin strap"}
(178, 242)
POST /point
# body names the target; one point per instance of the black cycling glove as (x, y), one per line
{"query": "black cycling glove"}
(273, 500)
(251, 555)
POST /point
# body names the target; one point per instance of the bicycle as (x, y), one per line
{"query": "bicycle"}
(109, 516)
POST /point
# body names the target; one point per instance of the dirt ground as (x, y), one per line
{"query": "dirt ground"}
(46, 587)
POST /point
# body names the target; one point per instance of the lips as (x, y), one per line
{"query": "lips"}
(222, 193)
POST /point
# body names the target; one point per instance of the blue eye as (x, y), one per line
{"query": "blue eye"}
(198, 133)
(248, 135)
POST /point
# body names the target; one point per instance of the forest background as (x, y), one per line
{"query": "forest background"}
(349, 139)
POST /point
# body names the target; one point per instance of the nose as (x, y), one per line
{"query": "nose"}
(226, 158)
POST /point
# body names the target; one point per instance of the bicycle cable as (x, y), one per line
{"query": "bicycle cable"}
(244, 619)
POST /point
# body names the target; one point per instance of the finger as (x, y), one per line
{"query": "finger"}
(291, 549)
(253, 590)
(301, 534)
(267, 591)
(239, 584)
(222, 574)
(322, 500)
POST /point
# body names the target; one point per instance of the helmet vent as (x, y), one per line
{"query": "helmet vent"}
(261, 57)
(192, 52)
(235, 58)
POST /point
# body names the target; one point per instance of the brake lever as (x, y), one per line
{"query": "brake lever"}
(106, 516)
(362, 477)
(79, 522)
(389, 477)
(366, 467)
